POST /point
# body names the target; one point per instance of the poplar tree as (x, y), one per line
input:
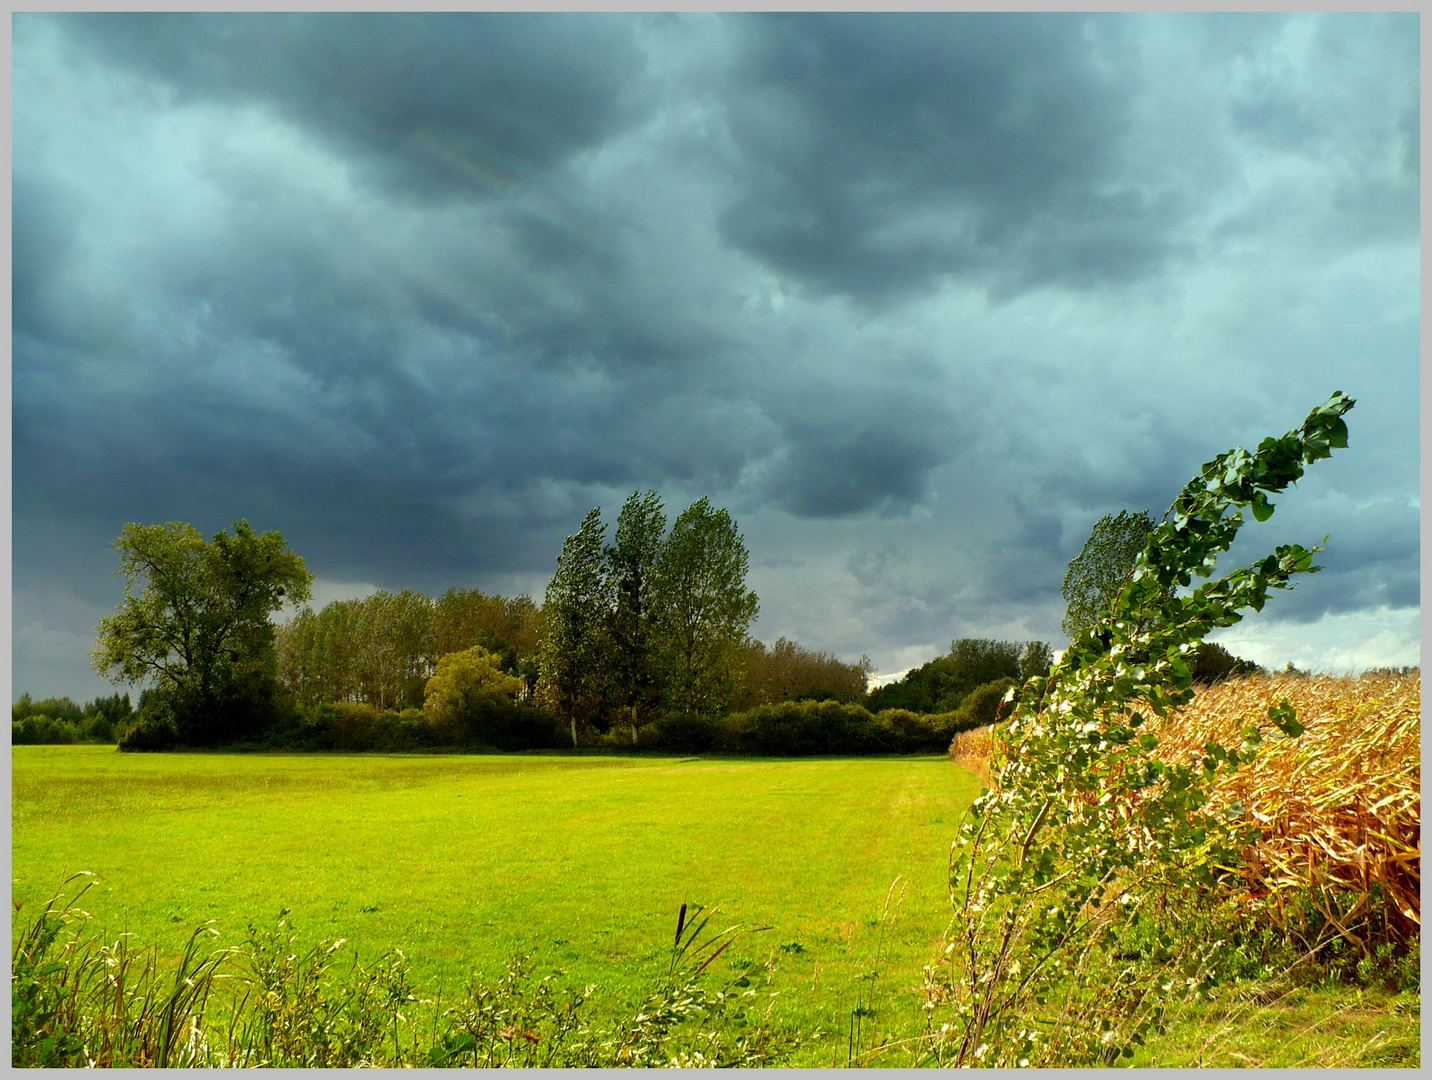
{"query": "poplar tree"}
(576, 606)
(706, 610)
(631, 567)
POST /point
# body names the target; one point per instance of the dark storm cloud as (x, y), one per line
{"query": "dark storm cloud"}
(845, 471)
(40, 238)
(434, 104)
(887, 151)
(419, 291)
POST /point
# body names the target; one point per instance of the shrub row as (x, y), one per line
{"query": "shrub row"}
(802, 728)
(786, 729)
(498, 723)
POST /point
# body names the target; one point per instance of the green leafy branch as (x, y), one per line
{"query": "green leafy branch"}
(1084, 829)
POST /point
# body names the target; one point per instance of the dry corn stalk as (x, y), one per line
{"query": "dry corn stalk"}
(1340, 806)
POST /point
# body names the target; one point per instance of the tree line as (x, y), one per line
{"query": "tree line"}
(655, 623)
(649, 628)
(61, 720)
(972, 664)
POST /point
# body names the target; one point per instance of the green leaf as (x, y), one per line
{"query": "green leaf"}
(1285, 717)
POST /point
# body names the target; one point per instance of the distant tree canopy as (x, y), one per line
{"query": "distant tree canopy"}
(60, 720)
(944, 683)
(1102, 566)
(382, 650)
(787, 672)
(510, 626)
(378, 650)
(650, 629)
(1210, 662)
(194, 623)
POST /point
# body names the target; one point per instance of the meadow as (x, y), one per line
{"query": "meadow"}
(581, 861)
(464, 860)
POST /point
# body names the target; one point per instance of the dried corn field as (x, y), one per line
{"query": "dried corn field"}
(1340, 806)
(971, 749)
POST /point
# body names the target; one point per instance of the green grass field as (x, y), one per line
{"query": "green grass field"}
(464, 860)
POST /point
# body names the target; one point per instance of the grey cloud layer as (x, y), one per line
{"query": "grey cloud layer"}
(918, 297)
(441, 105)
(883, 153)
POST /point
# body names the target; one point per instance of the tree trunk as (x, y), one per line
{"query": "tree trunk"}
(574, 733)
(633, 725)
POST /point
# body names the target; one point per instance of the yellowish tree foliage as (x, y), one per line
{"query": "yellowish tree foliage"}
(465, 678)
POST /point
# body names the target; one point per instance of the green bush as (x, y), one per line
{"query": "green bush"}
(805, 728)
(154, 725)
(801, 728)
(349, 725)
(505, 724)
(1396, 969)
(980, 706)
(239, 711)
(917, 733)
(691, 734)
(500, 723)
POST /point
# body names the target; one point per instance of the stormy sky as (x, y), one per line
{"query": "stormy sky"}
(917, 298)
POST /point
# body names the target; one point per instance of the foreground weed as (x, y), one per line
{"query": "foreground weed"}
(302, 1018)
(864, 1038)
(720, 1027)
(516, 1023)
(78, 1001)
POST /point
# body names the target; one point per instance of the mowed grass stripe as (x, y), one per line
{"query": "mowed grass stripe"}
(462, 860)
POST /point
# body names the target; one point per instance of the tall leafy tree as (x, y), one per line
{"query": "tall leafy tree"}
(195, 622)
(381, 650)
(576, 606)
(705, 608)
(633, 668)
(1102, 567)
(318, 653)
